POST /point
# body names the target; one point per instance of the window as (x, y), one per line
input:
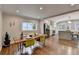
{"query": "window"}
(29, 26)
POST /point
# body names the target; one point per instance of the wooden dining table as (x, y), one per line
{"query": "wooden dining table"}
(20, 41)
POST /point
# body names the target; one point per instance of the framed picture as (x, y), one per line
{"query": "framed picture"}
(10, 24)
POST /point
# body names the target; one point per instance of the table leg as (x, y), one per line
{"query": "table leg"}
(21, 48)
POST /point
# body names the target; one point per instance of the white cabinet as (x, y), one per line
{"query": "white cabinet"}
(64, 25)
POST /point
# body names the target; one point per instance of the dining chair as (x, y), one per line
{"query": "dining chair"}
(28, 44)
(42, 40)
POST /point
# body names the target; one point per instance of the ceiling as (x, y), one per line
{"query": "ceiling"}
(33, 10)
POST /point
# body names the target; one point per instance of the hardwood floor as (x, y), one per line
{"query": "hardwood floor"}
(52, 47)
(9, 50)
(61, 47)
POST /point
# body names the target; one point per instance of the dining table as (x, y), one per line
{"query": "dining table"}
(20, 41)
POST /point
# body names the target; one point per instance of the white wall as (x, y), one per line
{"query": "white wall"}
(0, 30)
(15, 30)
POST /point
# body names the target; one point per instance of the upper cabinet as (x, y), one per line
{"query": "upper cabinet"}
(72, 25)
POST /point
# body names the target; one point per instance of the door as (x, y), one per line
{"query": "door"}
(44, 28)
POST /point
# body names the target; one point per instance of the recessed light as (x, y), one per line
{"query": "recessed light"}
(69, 22)
(41, 8)
(17, 11)
(72, 4)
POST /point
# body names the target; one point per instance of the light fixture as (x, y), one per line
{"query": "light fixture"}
(41, 8)
(69, 22)
(17, 11)
(72, 4)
